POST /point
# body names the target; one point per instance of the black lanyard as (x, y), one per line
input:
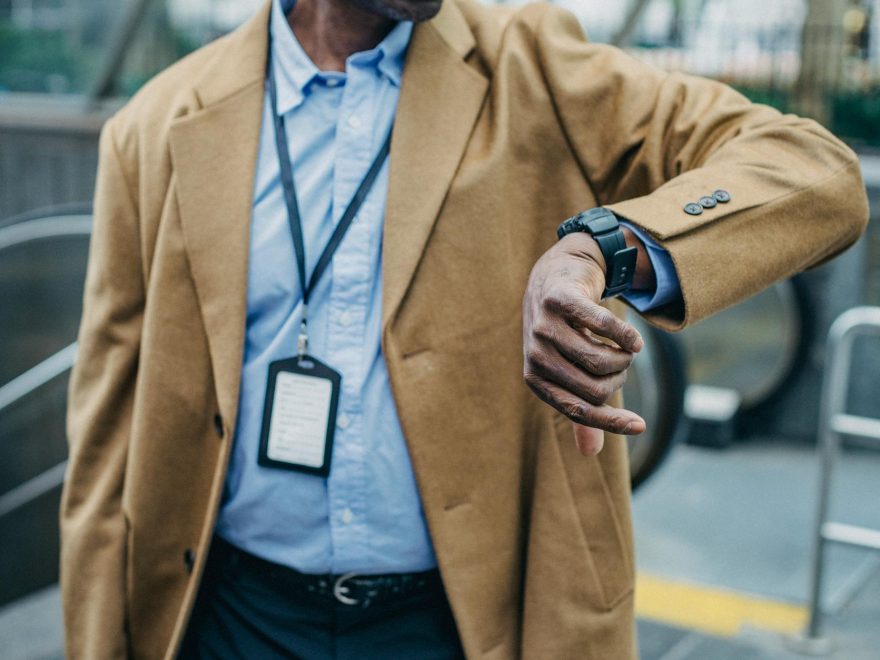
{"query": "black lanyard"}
(308, 285)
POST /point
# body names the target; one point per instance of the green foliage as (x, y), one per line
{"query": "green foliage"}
(855, 115)
(45, 61)
(41, 61)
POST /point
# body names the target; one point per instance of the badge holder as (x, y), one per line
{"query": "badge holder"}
(299, 415)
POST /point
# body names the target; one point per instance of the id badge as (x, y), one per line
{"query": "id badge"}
(299, 416)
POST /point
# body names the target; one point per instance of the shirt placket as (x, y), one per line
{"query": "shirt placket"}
(348, 310)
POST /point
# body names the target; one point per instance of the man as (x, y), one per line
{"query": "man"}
(254, 476)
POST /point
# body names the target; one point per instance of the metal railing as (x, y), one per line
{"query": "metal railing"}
(834, 423)
(29, 229)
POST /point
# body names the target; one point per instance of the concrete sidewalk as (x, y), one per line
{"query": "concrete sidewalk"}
(726, 537)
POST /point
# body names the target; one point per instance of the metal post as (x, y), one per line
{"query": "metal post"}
(121, 40)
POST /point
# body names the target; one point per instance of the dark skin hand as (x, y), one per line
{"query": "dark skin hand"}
(576, 352)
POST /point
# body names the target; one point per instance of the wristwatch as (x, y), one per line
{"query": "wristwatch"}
(620, 261)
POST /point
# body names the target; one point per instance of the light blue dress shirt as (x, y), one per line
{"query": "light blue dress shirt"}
(366, 516)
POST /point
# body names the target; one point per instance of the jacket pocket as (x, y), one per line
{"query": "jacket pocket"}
(600, 507)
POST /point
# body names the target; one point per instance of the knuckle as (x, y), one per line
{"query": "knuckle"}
(545, 331)
(586, 358)
(572, 410)
(554, 301)
(533, 355)
(599, 392)
(618, 423)
(603, 319)
(600, 364)
(591, 391)
(531, 378)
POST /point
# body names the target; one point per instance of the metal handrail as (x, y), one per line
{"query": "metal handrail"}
(52, 211)
(11, 235)
(19, 233)
(32, 489)
(834, 423)
(60, 226)
(35, 377)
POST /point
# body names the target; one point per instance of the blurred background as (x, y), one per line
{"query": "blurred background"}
(727, 482)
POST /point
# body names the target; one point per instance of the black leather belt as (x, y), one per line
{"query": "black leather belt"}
(352, 589)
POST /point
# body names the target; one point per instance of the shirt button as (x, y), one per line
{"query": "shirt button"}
(345, 318)
(344, 421)
(332, 82)
(354, 121)
(347, 516)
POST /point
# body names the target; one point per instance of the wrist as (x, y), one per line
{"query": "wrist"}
(584, 261)
(584, 246)
(606, 233)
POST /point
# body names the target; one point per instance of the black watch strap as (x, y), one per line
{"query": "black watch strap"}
(620, 261)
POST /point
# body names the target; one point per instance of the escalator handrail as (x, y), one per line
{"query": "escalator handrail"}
(72, 208)
(56, 226)
(37, 376)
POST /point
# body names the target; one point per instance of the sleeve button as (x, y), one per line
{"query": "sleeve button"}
(721, 196)
(693, 209)
(708, 202)
(189, 559)
(218, 425)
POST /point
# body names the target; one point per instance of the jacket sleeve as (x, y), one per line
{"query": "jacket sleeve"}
(650, 142)
(93, 528)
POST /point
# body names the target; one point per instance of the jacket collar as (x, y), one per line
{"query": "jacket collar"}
(242, 61)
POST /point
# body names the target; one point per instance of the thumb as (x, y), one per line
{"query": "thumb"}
(589, 440)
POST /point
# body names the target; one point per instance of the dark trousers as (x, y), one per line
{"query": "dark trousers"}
(242, 612)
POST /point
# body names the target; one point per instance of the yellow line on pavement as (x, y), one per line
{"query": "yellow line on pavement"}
(713, 610)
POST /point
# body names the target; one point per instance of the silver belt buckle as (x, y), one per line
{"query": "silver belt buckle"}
(340, 590)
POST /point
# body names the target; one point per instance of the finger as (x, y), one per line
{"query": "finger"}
(592, 389)
(589, 441)
(581, 312)
(605, 417)
(593, 356)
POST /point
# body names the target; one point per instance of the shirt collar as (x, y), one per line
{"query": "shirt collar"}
(294, 70)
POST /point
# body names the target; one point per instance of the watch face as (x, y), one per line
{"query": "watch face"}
(602, 223)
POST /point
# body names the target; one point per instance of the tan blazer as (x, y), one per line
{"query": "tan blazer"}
(508, 122)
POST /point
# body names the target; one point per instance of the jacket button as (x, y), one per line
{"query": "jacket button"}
(218, 425)
(189, 559)
(708, 202)
(693, 209)
(721, 196)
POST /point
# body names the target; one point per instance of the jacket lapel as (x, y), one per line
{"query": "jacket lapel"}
(214, 152)
(440, 100)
